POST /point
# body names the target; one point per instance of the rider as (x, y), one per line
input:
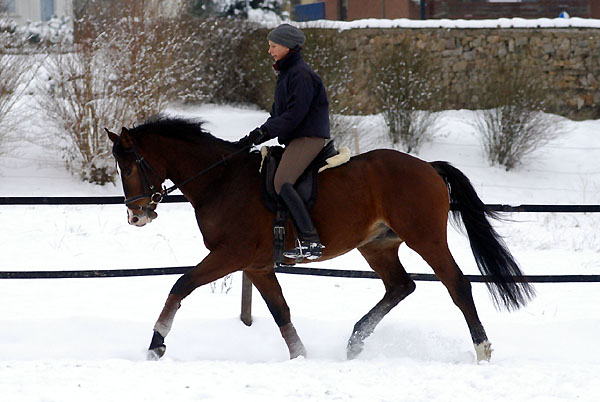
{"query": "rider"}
(300, 121)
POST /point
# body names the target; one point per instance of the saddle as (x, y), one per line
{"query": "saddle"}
(306, 186)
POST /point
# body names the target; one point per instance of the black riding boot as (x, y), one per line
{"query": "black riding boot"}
(310, 245)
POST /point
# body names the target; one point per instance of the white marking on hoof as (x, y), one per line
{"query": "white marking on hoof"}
(484, 351)
(156, 354)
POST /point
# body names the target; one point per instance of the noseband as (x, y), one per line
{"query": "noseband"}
(154, 194)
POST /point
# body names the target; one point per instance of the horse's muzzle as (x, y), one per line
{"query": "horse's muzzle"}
(147, 215)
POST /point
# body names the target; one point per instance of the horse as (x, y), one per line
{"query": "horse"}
(374, 203)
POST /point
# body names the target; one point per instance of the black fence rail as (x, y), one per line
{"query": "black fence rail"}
(291, 269)
(287, 269)
(338, 273)
(116, 199)
(180, 198)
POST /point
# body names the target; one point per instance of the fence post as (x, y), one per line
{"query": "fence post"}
(246, 314)
(356, 141)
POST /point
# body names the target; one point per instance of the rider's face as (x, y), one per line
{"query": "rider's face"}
(277, 51)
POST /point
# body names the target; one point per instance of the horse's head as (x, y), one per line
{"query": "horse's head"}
(142, 184)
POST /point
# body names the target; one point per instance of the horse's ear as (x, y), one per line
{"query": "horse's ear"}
(113, 137)
(126, 140)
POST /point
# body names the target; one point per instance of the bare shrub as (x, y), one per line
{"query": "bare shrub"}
(406, 86)
(11, 75)
(358, 133)
(143, 44)
(15, 74)
(513, 124)
(79, 102)
(328, 59)
(130, 59)
(125, 65)
(344, 132)
(224, 63)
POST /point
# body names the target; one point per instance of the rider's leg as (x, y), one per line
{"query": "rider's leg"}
(296, 157)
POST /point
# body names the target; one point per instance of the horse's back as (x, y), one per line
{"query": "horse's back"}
(385, 170)
(382, 186)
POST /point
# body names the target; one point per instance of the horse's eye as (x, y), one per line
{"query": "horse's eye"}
(127, 171)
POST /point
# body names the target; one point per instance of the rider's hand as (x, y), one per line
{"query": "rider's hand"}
(244, 142)
(255, 137)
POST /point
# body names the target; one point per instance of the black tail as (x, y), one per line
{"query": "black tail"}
(506, 283)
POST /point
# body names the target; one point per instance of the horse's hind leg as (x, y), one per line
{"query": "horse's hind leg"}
(268, 286)
(438, 256)
(382, 256)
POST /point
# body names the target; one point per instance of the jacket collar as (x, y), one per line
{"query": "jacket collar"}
(292, 58)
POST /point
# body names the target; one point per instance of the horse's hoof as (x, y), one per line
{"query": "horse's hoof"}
(354, 348)
(156, 353)
(484, 351)
(157, 347)
(297, 350)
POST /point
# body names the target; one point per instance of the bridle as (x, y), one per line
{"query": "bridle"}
(156, 196)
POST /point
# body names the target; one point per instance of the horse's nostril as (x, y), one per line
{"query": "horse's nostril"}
(135, 219)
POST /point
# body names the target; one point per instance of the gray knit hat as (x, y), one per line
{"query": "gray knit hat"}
(287, 35)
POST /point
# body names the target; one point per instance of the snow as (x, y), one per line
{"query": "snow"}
(575, 22)
(85, 339)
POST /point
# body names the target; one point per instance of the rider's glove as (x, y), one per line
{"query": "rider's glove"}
(256, 136)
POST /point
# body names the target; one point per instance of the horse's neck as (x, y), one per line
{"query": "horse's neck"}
(197, 167)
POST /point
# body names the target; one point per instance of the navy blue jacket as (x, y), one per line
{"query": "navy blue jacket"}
(300, 107)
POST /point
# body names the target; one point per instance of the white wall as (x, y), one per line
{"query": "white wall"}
(31, 10)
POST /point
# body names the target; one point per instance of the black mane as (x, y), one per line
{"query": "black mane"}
(177, 127)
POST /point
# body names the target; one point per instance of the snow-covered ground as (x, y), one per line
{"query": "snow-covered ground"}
(85, 339)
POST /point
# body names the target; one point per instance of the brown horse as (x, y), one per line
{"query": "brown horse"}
(374, 203)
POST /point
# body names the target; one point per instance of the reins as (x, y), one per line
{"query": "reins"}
(224, 159)
(156, 197)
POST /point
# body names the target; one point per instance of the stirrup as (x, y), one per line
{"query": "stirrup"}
(311, 250)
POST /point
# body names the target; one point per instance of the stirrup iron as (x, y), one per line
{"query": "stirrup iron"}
(310, 250)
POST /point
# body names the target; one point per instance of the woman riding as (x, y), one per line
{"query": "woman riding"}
(300, 121)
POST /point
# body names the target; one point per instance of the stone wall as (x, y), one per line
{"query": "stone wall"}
(568, 60)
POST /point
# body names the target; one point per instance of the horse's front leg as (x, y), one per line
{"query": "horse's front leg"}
(267, 284)
(216, 265)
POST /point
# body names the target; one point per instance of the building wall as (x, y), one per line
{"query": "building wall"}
(359, 9)
(170, 7)
(595, 8)
(389, 9)
(332, 10)
(454, 9)
(31, 10)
